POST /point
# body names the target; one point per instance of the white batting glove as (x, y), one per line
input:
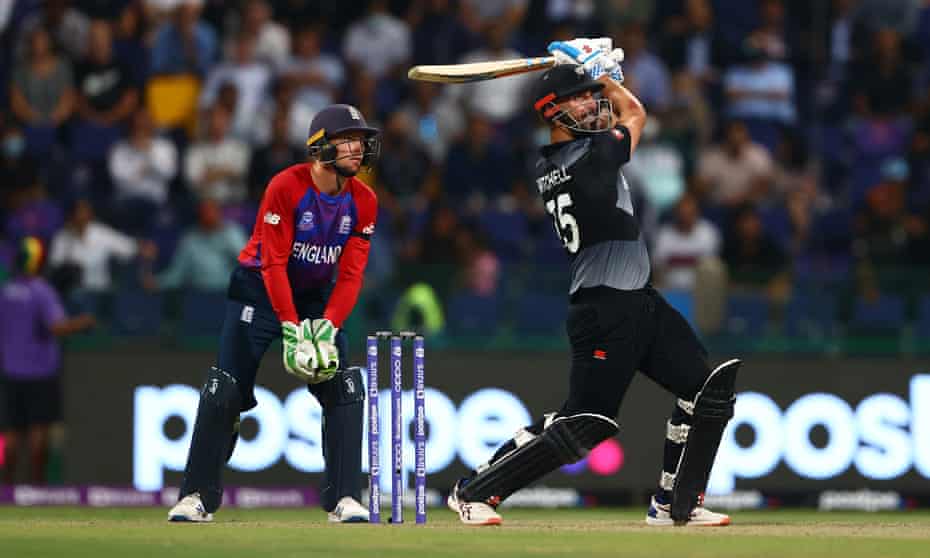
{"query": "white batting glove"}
(601, 64)
(579, 51)
(616, 74)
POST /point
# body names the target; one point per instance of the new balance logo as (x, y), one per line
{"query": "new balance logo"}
(272, 218)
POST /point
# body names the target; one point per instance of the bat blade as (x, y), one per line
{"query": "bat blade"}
(479, 71)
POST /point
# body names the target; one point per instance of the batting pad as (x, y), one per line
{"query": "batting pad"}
(565, 440)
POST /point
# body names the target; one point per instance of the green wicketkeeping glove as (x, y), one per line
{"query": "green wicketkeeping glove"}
(322, 333)
(300, 355)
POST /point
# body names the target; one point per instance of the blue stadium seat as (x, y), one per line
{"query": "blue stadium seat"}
(202, 313)
(136, 312)
(469, 314)
(884, 315)
(507, 232)
(810, 314)
(922, 327)
(747, 314)
(548, 250)
(541, 314)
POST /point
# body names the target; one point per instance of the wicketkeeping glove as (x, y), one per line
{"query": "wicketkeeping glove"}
(322, 333)
(300, 356)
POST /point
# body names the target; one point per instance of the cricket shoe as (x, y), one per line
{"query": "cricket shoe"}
(472, 513)
(348, 510)
(190, 509)
(660, 515)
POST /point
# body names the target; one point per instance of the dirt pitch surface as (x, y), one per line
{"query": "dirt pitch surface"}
(104, 533)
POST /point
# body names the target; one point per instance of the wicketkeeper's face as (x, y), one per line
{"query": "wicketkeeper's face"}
(350, 150)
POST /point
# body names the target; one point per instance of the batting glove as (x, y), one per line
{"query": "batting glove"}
(608, 64)
(322, 333)
(581, 52)
(300, 356)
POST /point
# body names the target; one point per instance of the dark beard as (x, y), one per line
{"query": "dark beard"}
(345, 173)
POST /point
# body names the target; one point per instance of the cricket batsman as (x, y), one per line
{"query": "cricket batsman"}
(298, 277)
(617, 323)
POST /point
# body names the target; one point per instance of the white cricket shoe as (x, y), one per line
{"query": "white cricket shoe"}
(348, 510)
(660, 515)
(472, 513)
(190, 509)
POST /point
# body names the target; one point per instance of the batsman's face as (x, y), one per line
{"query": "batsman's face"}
(587, 111)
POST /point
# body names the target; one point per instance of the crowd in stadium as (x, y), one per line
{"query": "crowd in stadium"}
(788, 142)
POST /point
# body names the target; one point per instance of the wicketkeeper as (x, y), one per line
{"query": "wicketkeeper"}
(617, 323)
(315, 219)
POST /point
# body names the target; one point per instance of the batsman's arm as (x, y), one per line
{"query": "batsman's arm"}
(628, 111)
(353, 260)
(276, 216)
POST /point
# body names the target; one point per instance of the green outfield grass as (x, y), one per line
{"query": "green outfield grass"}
(125, 533)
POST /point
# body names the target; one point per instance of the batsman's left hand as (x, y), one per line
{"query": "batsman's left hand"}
(322, 333)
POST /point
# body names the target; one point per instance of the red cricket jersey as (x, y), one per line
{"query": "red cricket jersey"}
(303, 237)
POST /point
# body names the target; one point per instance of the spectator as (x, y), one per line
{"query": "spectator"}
(31, 321)
(206, 255)
(439, 35)
(41, 94)
(736, 171)
(184, 45)
(501, 101)
(130, 41)
(682, 244)
(404, 173)
(67, 26)
(646, 73)
(272, 40)
(688, 120)
(318, 76)
(761, 93)
(274, 157)
(142, 168)
(282, 99)
(884, 229)
(250, 79)
(379, 43)
(477, 169)
(689, 43)
(31, 212)
(795, 187)
(753, 258)
(216, 167)
(106, 96)
(883, 83)
(12, 147)
(657, 169)
(479, 14)
(437, 120)
(81, 251)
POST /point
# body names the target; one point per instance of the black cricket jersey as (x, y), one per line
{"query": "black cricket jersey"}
(589, 200)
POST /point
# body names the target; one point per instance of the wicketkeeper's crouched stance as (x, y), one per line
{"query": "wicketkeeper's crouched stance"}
(617, 323)
(315, 219)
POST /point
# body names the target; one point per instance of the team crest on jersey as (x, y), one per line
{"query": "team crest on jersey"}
(345, 225)
(306, 221)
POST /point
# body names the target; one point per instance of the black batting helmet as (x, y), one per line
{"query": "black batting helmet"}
(338, 119)
(561, 82)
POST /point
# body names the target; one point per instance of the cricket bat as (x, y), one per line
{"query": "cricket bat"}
(479, 71)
